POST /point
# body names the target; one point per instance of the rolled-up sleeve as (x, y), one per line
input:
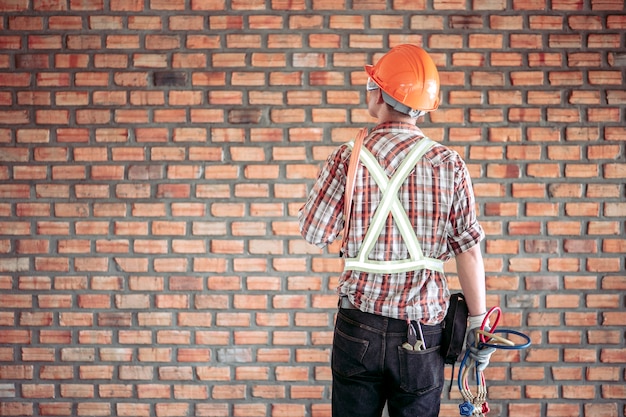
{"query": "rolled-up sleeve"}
(464, 231)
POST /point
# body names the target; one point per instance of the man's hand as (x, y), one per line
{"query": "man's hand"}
(480, 355)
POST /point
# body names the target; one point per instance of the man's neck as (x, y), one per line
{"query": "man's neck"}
(387, 114)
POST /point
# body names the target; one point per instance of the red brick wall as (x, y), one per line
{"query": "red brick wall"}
(154, 153)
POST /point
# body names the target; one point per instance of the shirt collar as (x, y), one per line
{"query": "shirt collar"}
(399, 127)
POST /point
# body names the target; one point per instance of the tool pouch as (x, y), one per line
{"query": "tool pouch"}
(454, 326)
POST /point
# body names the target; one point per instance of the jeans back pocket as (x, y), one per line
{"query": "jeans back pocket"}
(348, 354)
(421, 371)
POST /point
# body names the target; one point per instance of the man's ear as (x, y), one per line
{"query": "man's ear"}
(379, 99)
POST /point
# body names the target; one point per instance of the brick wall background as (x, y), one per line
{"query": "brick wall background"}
(154, 153)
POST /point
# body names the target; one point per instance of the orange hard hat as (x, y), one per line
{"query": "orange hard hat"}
(407, 75)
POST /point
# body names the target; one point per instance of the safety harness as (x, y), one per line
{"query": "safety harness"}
(390, 203)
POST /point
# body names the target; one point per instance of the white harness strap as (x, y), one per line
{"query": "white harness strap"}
(391, 204)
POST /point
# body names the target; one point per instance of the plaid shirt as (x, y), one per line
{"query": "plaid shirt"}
(439, 201)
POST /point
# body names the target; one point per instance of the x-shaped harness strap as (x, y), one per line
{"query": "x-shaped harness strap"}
(389, 188)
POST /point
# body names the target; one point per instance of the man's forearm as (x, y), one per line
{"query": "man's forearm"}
(471, 271)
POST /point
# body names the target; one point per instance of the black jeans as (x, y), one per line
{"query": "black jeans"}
(370, 368)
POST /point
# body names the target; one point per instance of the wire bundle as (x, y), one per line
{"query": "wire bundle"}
(476, 405)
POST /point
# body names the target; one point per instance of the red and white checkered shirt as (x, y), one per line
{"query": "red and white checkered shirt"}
(439, 200)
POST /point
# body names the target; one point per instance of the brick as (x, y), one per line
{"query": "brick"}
(603, 265)
(603, 337)
(611, 391)
(32, 61)
(579, 246)
(575, 282)
(601, 410)
(580, 319)
(564, 153)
